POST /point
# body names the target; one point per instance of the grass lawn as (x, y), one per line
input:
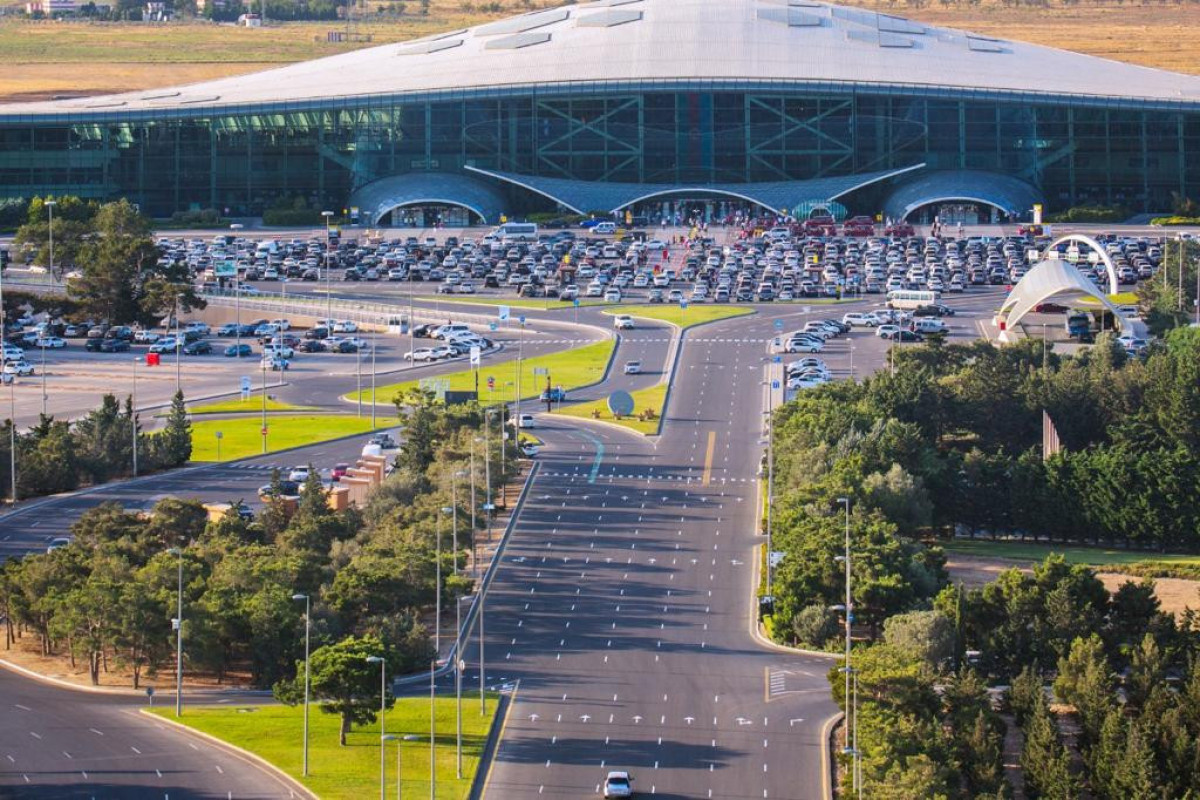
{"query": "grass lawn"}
(238, 405)
(683, 317)
(275, 733)
(549, 304)
(569, 369)
(242, 437)
(1096, 556)
(642, 398)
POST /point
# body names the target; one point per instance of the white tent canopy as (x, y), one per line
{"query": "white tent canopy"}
(1058, 280)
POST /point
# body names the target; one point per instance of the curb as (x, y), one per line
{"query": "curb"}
(121, 691)
(826, 762)
(492, 746)
(756, 629)
(294, 786)
(464, 633)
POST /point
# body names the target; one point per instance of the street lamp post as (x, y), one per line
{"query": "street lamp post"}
(263, 364)
(44, 396)
(458, 660)
(382, 662)
(50, 204)
(437, 622)
(178, 551)
(11, 380)
(307, 684)
(845, 501)
(372, 381)
(133, 417)
(328, 288)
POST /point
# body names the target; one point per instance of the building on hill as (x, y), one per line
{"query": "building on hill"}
(647, 105)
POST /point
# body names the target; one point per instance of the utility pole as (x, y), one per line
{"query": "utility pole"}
(133, 417)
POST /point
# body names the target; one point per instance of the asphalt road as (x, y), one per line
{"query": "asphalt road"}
(624, 604)
(56, 745)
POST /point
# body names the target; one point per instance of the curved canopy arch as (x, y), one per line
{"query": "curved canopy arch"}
(1114, 285)
(1054, 278)
(1010, 195)
(378, 198)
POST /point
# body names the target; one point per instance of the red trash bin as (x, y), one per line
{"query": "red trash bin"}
(152, 359)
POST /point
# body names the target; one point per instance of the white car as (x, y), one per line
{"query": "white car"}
(857, 319)
(887, 331)
(612, 296)
(12, 353)
(633, 368)
(18, 368)
(345, 326)
(278, 351)
(359, 342)
(618, 784)
(529, 449)
(623, 322)
(51, 342)
(421, 354)
(298, 474)
(799, 384)
(526, 421)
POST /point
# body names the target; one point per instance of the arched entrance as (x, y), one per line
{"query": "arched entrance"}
(1079, 238)
(430, 215)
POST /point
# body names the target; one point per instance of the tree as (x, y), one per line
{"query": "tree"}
(815, 625)
(343, 681)
(1045, 759)
(72, 225)
(928, 635)
(1085, 681)
(173, 445)
(901, 497)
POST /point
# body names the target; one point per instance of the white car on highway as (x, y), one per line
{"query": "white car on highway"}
(19, 368)
(633, 367)
(623, 322)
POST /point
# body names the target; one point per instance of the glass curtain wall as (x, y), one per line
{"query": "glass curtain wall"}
(244, 161)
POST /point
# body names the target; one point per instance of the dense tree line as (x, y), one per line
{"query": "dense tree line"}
(949, 444)
(117, 274)
(370, 575)
(57, 456)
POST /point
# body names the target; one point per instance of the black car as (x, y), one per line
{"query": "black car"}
(111, 345)
(95, 345)
(310, 274)
(345, 346)
(906, 336)
(200, 348)
(311, 346)
(422, 331)
(286, 489)
(352, 275)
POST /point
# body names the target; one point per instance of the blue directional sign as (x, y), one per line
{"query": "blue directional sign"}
(576, 302)
(492, 326)
(777, 359)
(683, 305)
(521, 319)
(503, 313)
(778, 324)
(774, 384)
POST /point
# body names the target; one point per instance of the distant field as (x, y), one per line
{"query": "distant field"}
(131, 56)
(1095, 556)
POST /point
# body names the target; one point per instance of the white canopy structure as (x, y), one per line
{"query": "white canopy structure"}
(1060, 281)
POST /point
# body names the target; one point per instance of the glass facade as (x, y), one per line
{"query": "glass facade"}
(242, 158)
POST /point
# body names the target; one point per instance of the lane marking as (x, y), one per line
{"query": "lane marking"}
(708, 458)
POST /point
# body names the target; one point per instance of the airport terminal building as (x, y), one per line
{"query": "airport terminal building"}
(654, 105)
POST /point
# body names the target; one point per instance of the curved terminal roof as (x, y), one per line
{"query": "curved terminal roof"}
(612, 42)
(583, 197)
(428, 188)
(1005, 192)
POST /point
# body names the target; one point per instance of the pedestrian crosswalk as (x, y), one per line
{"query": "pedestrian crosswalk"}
(666, 477)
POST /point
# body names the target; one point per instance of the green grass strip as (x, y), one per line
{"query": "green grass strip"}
(642, 399)
(570, 369)
(237, 405)
(242, 437)
(683, 317)
(275, 733)
(547, 304)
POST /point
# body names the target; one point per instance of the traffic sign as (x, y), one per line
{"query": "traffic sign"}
(491, 382)
(476, 354)
(503, 313)
(540, 371)
(492, 326)
(575, 302)
(521, 319)
(683, 305)
(778, 324)
(245, 383)
(620, 403)
(774, 384)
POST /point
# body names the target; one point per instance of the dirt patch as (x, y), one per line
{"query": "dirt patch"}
(1175, 594)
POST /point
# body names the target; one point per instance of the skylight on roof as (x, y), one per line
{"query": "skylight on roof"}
(518, 41)
(608, 19)
(526, 22)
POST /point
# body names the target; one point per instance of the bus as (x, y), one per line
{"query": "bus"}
(911, 298)
(518, 232)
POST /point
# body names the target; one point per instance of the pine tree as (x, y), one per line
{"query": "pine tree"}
(1045, 759)
(175, 441)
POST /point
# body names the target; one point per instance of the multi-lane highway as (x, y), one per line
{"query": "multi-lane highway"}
(624, 603)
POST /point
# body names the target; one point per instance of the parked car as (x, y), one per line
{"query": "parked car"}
(286, 489)
(238, 351)
(114, 346)
(50, 343)
(21, 369)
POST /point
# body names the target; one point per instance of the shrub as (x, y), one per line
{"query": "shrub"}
(815, 625)
(1090, 214)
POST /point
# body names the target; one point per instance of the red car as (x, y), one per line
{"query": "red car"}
(338, 472)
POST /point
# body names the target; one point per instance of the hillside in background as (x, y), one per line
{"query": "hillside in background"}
(47, 58)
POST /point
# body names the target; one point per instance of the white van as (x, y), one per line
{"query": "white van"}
(930, 325)
(605, 228)
(446, 331)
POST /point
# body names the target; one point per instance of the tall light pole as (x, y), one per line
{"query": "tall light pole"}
(328, 288)
(382, 662)
(853, 718)
(358, 370)
(437, 614)
(264, 406)
(458, 643)
(133, 417)
(307, 683)
(43, 348)
(474, 504)
(178, 551)
(11, 380)
(432, 730)
(372, 381)
(50, 204)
